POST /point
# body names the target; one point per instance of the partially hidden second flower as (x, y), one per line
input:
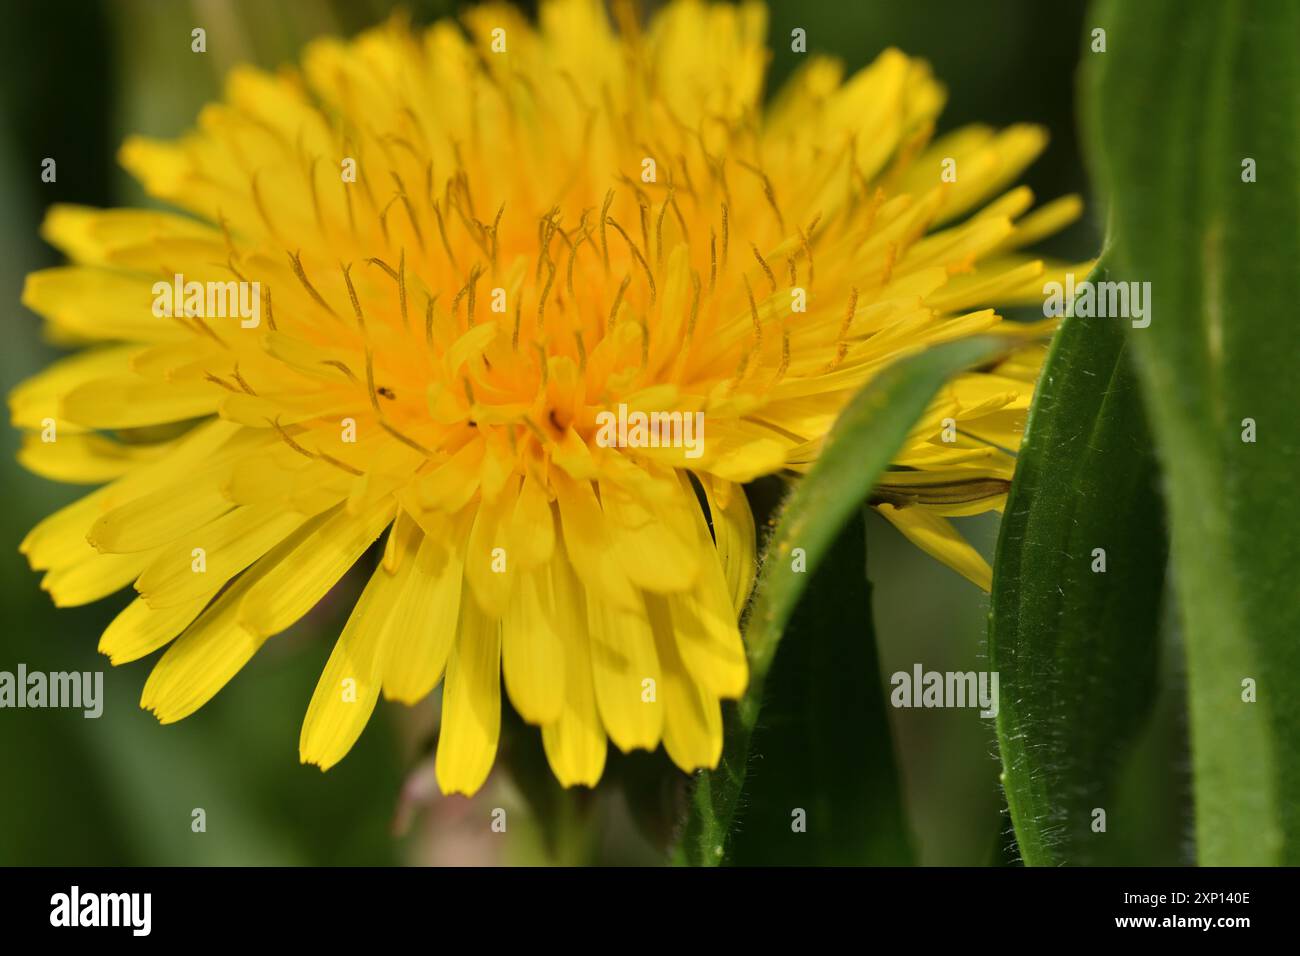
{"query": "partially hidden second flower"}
(468, 246)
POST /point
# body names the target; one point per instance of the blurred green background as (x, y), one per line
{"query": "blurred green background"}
(78, 76)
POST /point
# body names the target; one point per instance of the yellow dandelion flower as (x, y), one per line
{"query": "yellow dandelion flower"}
(423, 273)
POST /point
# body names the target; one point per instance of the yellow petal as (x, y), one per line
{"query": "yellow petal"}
(736, 541)
(657, 549)
(625, 669)
(231, 543)
(86, 459)
(575, 742)
(159, 517)
(60, 539)
(141, 630)
(133, 402)
(471, 704)
(587, 543)
(532, 656)
(39, 397)
(93, 577)
(937, 537)
(292, 587)
(100, 304)
(692, 716)
(704, 622)
(213, 649)
(532, 525)
(348, 688)
(489, 567)
(426, 618)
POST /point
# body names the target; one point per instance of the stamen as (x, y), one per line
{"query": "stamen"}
(288, 440)
(383, 219)
(753, 312)
(681, 220)
(573, 250)
(401, 289)
(546, 291)
(604, 218)
(474, 275)
(341, 465)
(644, 209)
(541, 358)
(841, 339)
(352, 294)
(442, 231)
(785, 355)
(768, 192)
(807, 251)
(216, 380)
(726, 234)
(296, 260)
(582, 350)
(695, 306)
(428, 320)
(636, 254)
(659, 230)
(383, 265)
(242, 384)
(618, 302)
(335, 363)
(410, 214)
(495, 231)
(890, 255)
(713, 260)
(370, 381)
(545, 233)
(261, 210)
(406, 439)
(766, 268)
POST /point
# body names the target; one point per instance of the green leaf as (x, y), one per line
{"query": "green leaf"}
(864, 439)
(823, 746)
(1183, 97)
(1075, 648)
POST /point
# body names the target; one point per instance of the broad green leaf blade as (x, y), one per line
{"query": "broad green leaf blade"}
(1074, 645)
(1184, 97)
(864, 439)
(823, 786)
